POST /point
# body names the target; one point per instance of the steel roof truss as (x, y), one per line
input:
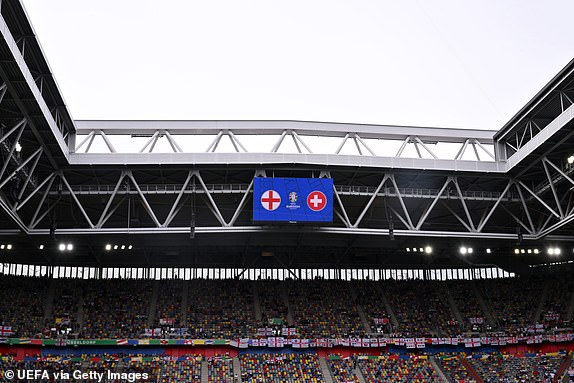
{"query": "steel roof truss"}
(103, 219)
(76, 200)
(345, 217)
(213, 205)
(538, 198)
(146, 204)
(36, 155)
(458, 217)
(553, 188)
(29, 176)
(33, 221)
(408, 224)
(174, 145)
(241, 205)
(491, 211)
(366, 208)
(174, 208)
(432, 205)
(526, 210)
(463, 203)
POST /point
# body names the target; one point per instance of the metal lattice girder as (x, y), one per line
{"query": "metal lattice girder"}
(48, 113)
(402, 202)
(553, 100)
(514, 179)
(363, 137)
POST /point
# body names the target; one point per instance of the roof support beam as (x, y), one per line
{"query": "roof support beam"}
(358, 221)
(432, 205)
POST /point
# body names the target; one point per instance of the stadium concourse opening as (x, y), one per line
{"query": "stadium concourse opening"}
(280, 251)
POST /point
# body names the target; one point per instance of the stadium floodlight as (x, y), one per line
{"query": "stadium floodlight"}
(516, 251)
(470, 250)
(463, 250)
(62, 247)
(108, 247)
(571, 159)
(409, 250)
(529, 251)
(553, 251)
(415, 249)
(115, 247)
(18, 147)
(41, 247)
(536, 251)
(130, 247)
(421, 249)
(488, 251)
(9, 246)
(123, 247)
(428, 249)
(2, 247)
(70, 247)
(522, 251)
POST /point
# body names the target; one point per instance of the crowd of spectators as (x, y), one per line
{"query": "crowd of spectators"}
(299, 368)
(314, 308)
(421, 309)
(324, 309)
(468, 305)
(513, 302)
(343, 370)
(454, 369)
(504, 368)
(280, 368)
(117, 309)
(555, 306)
(272, 301)
(399, 369)
(22, 304)
(181, 371)
(221, 309)
(169, 303)
(64, 313)
(369, 297)
(220, 369)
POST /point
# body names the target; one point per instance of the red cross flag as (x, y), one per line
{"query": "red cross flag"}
(316, 200)
(270, 200)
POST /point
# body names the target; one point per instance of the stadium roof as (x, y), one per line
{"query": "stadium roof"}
(395, 186)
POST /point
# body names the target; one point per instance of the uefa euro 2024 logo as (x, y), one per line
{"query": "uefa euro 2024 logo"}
(293, 197)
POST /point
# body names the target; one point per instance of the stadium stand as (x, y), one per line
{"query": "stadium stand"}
(399, 369)
(272, 300)
(225, 308)
(343, 370)
(454, 370)
(280, 368)
(468, 305)
(22, 304)
(513, 302)
(181, 371)
(117, 309)
(507, 368)
(369, 297)
(554, 310)
(220, 309)
(220, 369)
(321, 317)
(420, 314)
(169, 306)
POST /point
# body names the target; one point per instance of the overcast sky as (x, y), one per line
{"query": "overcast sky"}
(456, 64)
